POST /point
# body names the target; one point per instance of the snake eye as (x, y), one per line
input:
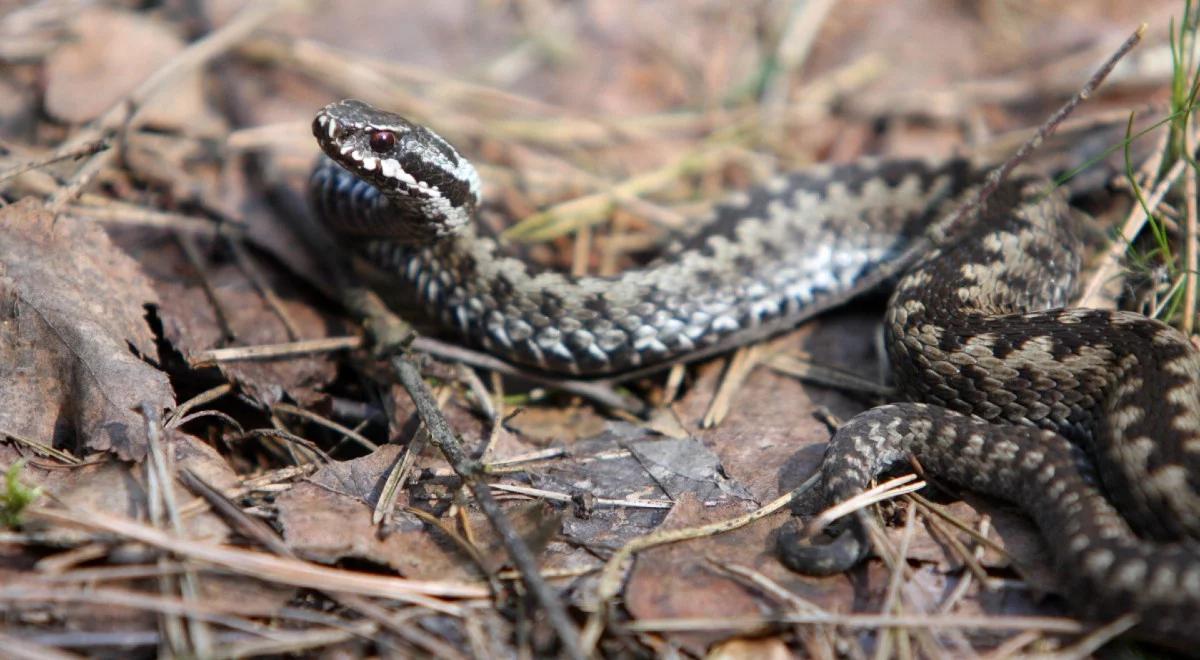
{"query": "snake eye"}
(382, 141)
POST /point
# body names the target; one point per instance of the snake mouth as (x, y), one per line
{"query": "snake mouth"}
(326, 128)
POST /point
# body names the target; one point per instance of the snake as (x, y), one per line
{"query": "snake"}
(1088, 420)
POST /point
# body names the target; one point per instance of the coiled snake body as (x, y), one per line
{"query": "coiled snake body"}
(1087, 419)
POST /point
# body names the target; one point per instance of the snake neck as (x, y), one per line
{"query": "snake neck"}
(352, 207)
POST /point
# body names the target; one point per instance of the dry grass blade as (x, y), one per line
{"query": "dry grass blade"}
(809, 372)
(1093, 641)
(592, 209)
(293, 643)
(274, 351)
(512, 463)
(181, 411)
(277, 569)
(1012, 646)
(251, 528)
(109, 597)
(890, 599)
(964, 584)
(885, 491)
(945, 515)
(401, 469)
(164, 512)
(802, 27)
(115, 213)
(42, 448)
(289, 409)
(751, 625)
(1191, 238)
(397, 476)
(23, 649)
(759, 581)
(465, 544)
(743, 362)
(1110, 265)
(959, 550)
(553, 496)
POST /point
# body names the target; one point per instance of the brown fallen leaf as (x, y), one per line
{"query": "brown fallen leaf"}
(328, 518)
(112, 52)
(678, 580)
(73, 336)
(771, 648)
(190, 323)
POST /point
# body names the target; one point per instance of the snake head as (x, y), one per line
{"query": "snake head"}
(410, 164)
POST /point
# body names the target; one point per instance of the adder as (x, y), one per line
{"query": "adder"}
(1088, 420)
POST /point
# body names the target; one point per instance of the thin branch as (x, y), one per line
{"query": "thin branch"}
(64, 153)
(469, 471)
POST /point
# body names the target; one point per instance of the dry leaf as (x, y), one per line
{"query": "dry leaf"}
(114, 51)
(190, 324)
(73, 336)
(328, 518)
(677, 580)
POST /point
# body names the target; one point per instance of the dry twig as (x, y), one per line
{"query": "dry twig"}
(468, 470)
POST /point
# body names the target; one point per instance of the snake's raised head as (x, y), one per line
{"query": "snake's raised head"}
(416, 169)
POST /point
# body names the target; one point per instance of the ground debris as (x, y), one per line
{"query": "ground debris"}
(608, 127)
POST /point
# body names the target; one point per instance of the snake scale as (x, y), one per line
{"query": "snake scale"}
(1089, 420)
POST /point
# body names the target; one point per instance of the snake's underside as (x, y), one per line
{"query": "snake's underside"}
(1089, 420)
